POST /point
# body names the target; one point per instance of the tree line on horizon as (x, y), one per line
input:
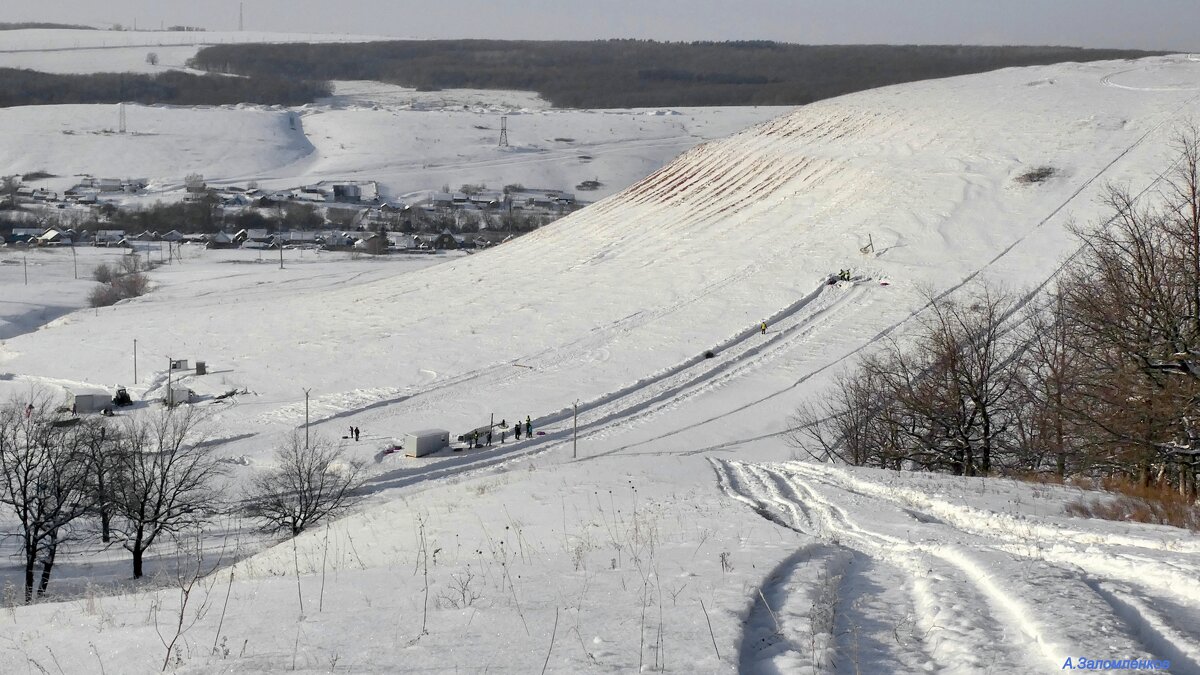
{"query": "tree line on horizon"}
(19, 87)
(635, 73)
(31, 25)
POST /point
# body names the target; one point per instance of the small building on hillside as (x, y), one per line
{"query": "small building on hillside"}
(444, 241)
(108, 237)
(22, 235)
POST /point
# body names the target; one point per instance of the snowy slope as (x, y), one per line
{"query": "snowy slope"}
(164, 144)
(681, 494)
(695, 256)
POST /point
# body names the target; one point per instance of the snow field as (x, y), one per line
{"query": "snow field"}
(163, 145)
(860, 570)
(508, 553)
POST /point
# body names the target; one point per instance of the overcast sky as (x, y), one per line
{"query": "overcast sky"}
(1146, 24)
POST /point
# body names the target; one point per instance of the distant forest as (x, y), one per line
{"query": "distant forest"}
(635, 73)
(36, 24)
(28, 87)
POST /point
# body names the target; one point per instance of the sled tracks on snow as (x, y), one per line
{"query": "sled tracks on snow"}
(647, 397)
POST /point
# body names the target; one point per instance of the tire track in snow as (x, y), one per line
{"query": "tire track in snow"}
(965, 591)
(1033, 569)
(1132, 585)
(1097, 556)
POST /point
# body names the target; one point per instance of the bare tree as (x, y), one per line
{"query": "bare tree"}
(43, 483)
(945, 401)
(311, 482)
(152, 58)
(167, 478)
(100, 452)
(1050, 380)
(1128, 296)
(845, 423)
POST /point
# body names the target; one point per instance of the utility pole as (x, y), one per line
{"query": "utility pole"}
(280, 255)
(25, 267)
(575, 432)
(74, 260)
(170, 398)
(306, 418)
(135, 361)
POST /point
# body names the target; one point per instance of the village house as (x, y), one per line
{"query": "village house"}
(108, 237)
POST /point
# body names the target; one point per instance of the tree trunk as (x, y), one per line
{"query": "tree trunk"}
(137, 563)
(105, 533)
(48, 564)
(30, 562)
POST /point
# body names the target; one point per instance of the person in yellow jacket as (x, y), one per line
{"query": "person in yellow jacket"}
(764, 328)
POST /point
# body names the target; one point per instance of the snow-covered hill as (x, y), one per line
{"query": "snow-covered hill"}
(602, 562)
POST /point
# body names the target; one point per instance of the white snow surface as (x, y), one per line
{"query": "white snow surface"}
(682, 537)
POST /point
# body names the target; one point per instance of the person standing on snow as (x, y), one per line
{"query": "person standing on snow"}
(764, 328)
(517, 427)
(475, 439)
(528, 427)
(355, 434)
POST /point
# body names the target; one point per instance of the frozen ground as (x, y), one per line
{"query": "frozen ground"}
(682, 492)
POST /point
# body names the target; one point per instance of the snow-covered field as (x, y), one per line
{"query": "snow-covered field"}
(681, 537)
(408, 141)
(405, 140)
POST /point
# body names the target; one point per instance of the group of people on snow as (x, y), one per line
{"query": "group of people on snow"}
(486, 436)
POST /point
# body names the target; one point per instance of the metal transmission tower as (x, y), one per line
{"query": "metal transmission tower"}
(121, 114)
(504, 132)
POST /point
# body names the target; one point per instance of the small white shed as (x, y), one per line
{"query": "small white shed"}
(425, 442)
(91, 402)
(176, 395)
